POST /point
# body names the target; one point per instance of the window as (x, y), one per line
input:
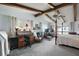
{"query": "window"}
(65, 29)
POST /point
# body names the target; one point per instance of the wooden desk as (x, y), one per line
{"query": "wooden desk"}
(18, 41)
(13, 42)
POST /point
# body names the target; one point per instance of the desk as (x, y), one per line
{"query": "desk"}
(13, 42)
(27, 35)
(19, 41)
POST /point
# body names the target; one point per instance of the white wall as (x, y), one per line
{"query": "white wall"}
(77, 11)
(76, 24)
(76, 27)
(69, 16)
(43, 20)
(68, 13)
(46, 22)
(5, 23)
(6, 17)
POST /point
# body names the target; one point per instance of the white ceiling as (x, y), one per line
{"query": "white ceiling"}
(39, 6)
(23, 10)
(16, 12)
(56, 4)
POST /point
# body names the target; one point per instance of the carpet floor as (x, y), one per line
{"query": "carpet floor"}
(45, 48)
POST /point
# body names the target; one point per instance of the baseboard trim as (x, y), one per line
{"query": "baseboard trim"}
(68, 46)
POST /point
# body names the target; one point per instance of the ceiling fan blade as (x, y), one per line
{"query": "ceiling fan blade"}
(61, 16)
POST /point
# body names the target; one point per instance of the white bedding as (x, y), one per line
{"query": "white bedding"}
(4, 43)
(71, 40)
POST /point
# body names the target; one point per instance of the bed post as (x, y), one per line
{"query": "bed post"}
(56, 32)
(62, 28)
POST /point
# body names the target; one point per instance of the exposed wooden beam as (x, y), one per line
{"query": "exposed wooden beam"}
(51, 5)
(56, 7)
(50, 17)
(21, 6)
(75, 11)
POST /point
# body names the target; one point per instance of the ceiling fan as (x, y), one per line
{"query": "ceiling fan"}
(58, 15)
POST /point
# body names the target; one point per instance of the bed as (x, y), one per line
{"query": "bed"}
(69, 40)
(4, 46)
